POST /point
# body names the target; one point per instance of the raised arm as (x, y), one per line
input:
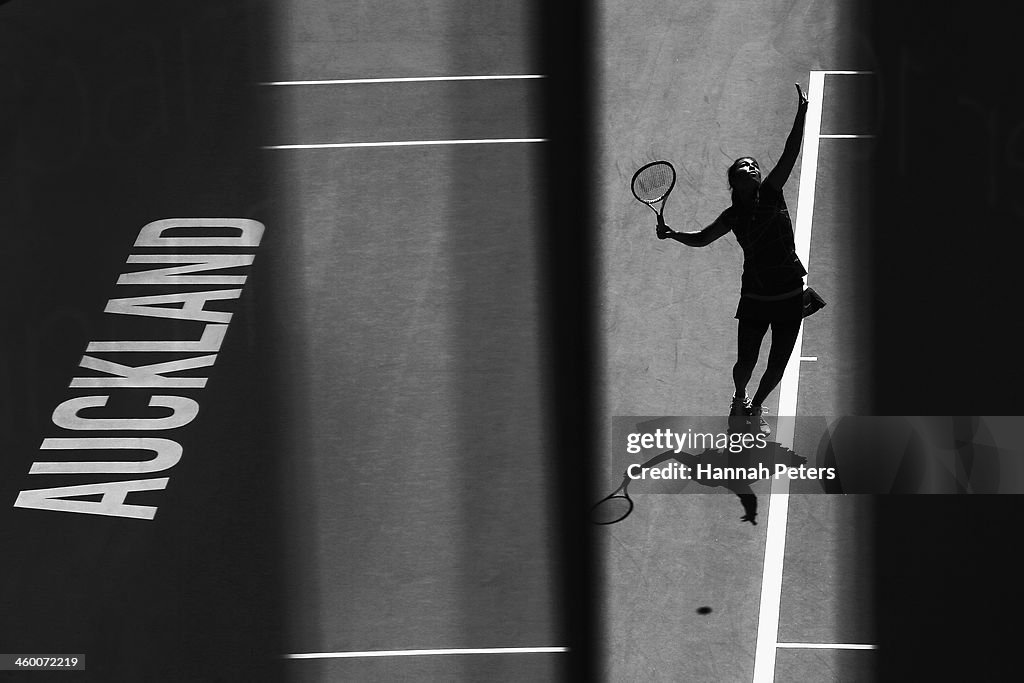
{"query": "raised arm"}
(780, 174)
(697, 238)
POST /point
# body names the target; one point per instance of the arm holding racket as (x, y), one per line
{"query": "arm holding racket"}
(652, 185)
(780, 174)
(698, 238)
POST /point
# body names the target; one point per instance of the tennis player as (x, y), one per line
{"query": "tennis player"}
(772, 285)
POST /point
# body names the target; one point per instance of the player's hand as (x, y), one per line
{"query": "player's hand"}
(664, 231)
(802, 103)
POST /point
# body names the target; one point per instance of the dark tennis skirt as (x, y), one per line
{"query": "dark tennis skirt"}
(791, 308)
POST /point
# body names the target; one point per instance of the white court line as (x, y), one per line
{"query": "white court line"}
(417, 79)
(778, 509)
(421, 653)
(827, 646)
(808, 358)
(846, 137)
(847, 73)
(405, 143)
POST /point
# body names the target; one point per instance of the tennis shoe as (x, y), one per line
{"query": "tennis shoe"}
(738, 420)
(762, 424)
(739, 406)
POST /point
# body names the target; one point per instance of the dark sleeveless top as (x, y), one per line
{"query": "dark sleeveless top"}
(770, 263)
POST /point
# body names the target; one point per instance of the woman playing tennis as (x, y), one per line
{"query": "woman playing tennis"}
(772, 285)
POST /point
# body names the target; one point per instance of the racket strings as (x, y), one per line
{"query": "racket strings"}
(653, 183)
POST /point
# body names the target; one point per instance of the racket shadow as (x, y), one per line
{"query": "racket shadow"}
(614, 507)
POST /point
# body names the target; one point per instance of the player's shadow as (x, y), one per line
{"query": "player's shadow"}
(735, 470)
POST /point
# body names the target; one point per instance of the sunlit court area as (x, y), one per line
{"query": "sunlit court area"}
(691, 591)
(327, 322)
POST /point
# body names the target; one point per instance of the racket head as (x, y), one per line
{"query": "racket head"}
(612, 509)
(652, 182)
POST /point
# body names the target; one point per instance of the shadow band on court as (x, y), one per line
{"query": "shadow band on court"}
(113, 115)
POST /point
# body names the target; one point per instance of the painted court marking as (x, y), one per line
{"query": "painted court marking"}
(827, 646)
(422, 653)
(416, 79)
(778, 510)
(412, 143)
(406, 143)
(411, 79)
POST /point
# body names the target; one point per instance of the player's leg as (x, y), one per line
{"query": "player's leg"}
(784, 334)
(750, 335)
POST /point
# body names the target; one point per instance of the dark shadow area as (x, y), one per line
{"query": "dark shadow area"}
(874, 455)
(114, 115)
(569, 251)
(945, 244)
(945, 262)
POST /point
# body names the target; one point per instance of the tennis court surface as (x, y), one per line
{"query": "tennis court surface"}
(322, 328)
(353, 483)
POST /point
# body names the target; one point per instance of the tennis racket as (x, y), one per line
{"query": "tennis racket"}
(651, 185)
(613, 508)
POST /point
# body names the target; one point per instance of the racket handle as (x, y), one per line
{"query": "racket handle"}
(661, 221)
